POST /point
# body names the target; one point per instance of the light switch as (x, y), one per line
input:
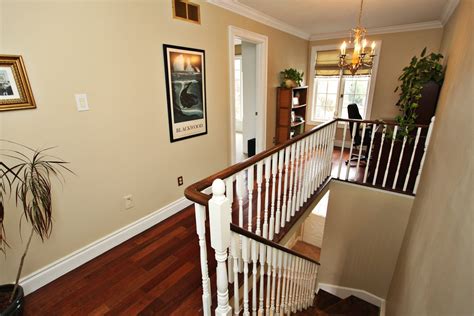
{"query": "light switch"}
(81, 102)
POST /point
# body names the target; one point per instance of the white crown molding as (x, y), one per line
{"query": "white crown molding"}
(448, 10)
(382, 30)
(236, 7)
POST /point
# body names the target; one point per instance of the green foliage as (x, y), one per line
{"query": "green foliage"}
(421, 70)
(291, 74)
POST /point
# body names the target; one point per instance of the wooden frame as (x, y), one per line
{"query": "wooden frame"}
(15, 90)
(187, 4)
(185, 71)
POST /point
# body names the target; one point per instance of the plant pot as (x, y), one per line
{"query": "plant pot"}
(290, 83)
(15, 308)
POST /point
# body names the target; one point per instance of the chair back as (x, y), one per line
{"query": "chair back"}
(353, 113)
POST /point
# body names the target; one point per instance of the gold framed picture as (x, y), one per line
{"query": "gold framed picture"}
(15, 90)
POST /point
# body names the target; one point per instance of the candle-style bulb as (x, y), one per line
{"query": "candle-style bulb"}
(373, 48)
(364, 44)
(343, 48)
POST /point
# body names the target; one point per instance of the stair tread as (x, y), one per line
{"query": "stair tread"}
(352, 306)
(325, 299)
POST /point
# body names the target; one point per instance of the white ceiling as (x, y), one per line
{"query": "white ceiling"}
(318, 17)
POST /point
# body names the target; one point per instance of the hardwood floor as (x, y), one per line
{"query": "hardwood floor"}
(307, 249)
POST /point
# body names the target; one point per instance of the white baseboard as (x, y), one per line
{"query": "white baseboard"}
(70, 262)
(344, 292)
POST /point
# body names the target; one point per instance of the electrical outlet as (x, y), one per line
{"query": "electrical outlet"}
(180, 180)
(128, 201)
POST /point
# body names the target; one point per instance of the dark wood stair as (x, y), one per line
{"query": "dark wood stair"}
(327, 304)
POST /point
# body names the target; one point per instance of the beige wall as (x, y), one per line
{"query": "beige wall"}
(362, 237)
(434, 274)
(112, 50)
(396, 52)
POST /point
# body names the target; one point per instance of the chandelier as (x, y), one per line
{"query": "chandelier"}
(361, 57)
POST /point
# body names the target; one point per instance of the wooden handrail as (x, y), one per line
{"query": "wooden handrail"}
(260, 239)
(193, 192)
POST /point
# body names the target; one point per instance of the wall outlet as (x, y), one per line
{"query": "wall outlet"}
(180, 181)
(81, 102)
(128, 201)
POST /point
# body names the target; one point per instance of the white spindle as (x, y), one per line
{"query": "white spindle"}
(272, 208)
(240, 197)
(261, 306)
(427, 142)
(219, 219)
(245, 257)
(399, 163)
(273, 290)
(295, 187)
(407, 176)
(278, 211)
(285, 187)
(342, 150)
(331, 148)
(250, 185)
(324, 135)
(229, 189)
(269, 279)
(301, 173)
(279, 285)
(354, 127)
(285, 283)
(369, 154)
(265, 206)
(382, 138)
(360, 150)
(259, 196)
(200, 213)
(234, 247)
(290, 193)
(389, 156)
(254, 276)
(318, 160)
(310, 167)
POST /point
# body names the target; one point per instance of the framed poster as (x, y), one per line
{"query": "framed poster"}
(185, 72)
(15, 90)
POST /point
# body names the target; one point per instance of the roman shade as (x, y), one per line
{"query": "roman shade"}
(327, 63)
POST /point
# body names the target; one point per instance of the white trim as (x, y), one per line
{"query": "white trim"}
(344, 292)
(382, 30)
(373, 78)
(262, 65)
(248, 12)
(77, 258)
(448, 10)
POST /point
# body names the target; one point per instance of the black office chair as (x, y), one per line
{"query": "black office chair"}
(353, 113)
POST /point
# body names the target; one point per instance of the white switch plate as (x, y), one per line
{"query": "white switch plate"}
(128, 201)
(81, 102)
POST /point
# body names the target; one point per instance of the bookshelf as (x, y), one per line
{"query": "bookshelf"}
(290, 100)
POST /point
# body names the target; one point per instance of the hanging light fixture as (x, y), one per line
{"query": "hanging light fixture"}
(359, 56)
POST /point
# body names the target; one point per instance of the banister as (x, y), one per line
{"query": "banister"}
(194, 191)
(377, 122)
(246, 233)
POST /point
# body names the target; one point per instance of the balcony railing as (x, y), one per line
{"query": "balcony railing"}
(255, 202)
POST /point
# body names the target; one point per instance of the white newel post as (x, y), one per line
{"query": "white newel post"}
(219, 219)
(200, 211)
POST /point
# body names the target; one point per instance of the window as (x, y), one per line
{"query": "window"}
(332, 95)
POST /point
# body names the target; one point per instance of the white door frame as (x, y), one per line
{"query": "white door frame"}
(261, 42)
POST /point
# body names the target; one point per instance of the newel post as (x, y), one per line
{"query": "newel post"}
(201, 231)
(219, 219)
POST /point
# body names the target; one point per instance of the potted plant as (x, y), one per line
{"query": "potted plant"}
(291, 78)
(423, 73)
(26, 174)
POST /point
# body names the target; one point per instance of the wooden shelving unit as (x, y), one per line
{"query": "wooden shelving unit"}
(285, 127)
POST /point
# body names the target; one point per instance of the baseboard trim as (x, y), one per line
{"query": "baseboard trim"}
(72, 261)
(344, 292)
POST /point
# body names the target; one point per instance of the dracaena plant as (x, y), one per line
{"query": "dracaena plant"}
(420, 71)
(26, 174)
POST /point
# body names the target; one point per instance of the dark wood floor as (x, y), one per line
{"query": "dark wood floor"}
(154, 273)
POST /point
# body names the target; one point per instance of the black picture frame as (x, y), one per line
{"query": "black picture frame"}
(185, 73)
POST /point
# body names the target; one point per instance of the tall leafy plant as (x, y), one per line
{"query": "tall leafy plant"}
(293, 75)
(26, 173)
(420, 71)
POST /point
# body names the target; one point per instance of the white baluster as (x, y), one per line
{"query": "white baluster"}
(274, 270)
(292, 284)
(285, 187)
(369, 155)
(279, 272)
(240, 197)
(250, 185)
(219, 219)
(269, 279)
(360, 150)
(272, 208)
(407, 176)
(278, 211)
(399, 163)
(427, 142)
(284, 283)
(229, 189)
(354, 127)
(342, 150)
(267, 185)
(295, 188)
(295, 286)
(290, 193)
(200, 213)
(382, 138)
(235, 247)
(332, 137)
(309, 173)
(301, 174)
(259, 196)
(323, 156)
(261, 306)
(254, 276)
(389, 156)
(317, 162)
(245, 257)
